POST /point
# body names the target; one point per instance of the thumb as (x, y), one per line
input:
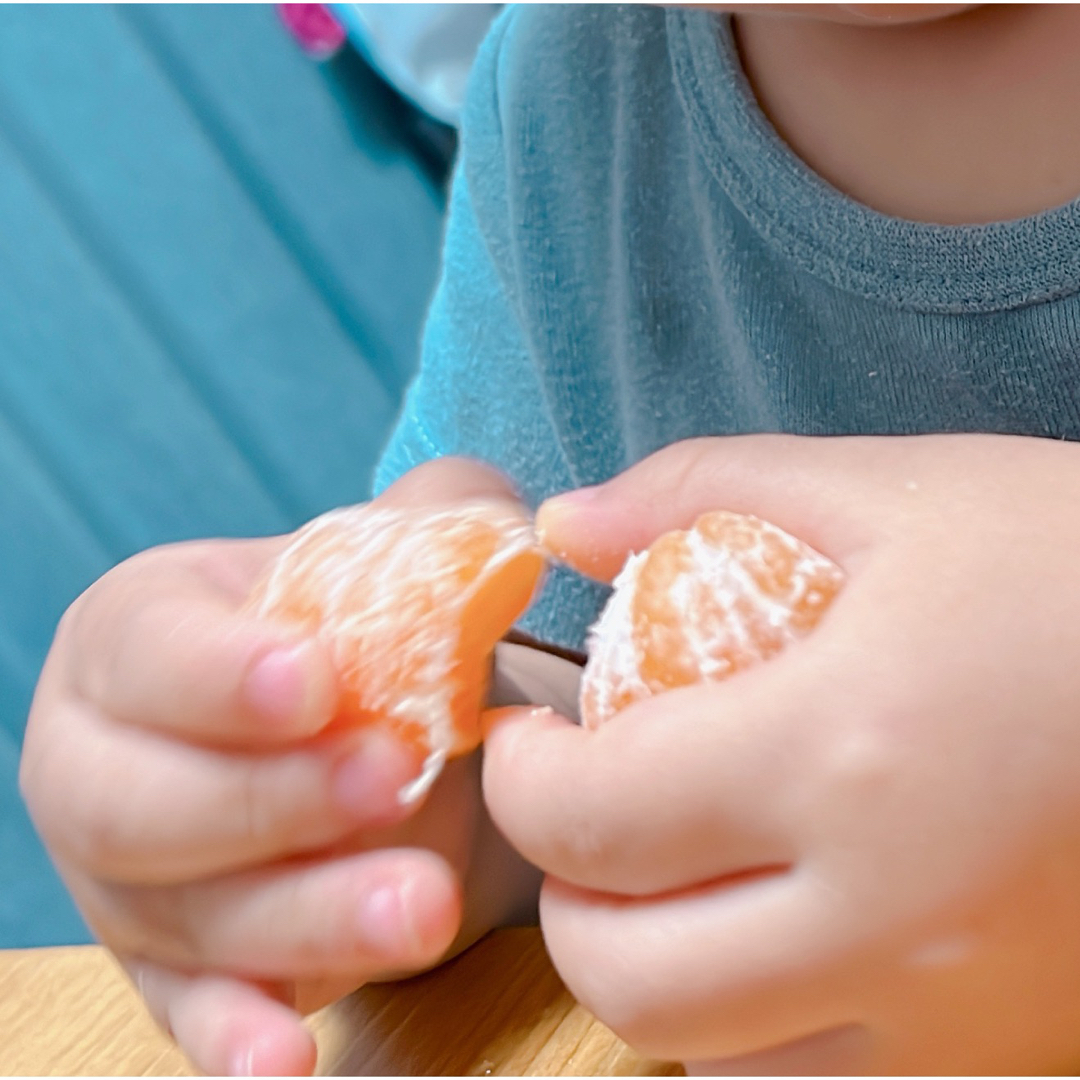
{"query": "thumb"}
(448, 480)
(828, 492)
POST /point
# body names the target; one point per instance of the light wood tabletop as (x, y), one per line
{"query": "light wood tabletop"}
(499, 1009)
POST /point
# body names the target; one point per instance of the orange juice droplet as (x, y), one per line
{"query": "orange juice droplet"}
(700, 605)
(411, 603)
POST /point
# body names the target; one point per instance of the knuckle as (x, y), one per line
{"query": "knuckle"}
(282, 802)
(191, 925)
(616, 988)
(53, 792)
(579, 844)
(256, 797)
(31, 762)
(690, 465)
(92, 826)
(645, 1008)
(556, 810)
(100, 843)
(230, 565)
(857, 762)
(543, 808)
(646, 1026)
(169, 924)
(35, 789)
(583, 851)
(658, 1007)
(614, 996)
(85, 636)
(31, 788)
(67, 627)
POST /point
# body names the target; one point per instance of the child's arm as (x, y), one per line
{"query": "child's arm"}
(243, 865)
(863, 855)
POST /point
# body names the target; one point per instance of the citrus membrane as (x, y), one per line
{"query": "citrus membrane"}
(700, 605)
(410, 603)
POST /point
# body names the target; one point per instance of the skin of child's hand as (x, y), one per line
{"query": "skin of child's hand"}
(863, 855)
(243, 867)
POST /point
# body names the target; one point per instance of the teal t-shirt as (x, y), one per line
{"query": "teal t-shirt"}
(634, 257)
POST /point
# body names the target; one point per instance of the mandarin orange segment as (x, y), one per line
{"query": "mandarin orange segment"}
(411, 603)
(700, 605)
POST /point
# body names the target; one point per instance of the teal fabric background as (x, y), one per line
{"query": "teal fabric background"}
(215, 256)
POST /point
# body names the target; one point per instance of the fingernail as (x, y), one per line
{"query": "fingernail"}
(275, 1051)
(565, 526)
(569, 500)
(260, 1057)
(554, 511)
(387, 923)
(242, 1061)
(278, 685)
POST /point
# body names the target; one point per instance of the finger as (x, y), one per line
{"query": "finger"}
(844, 1050)
(448, 480)
(720, 970)
(127, 804)
(692, 785)
(364, 916)
(832, 493)
(226, 1026)
(162, 643)
(174, 650)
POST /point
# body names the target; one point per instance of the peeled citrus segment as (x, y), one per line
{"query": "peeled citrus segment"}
(411, 603)
(700, 605)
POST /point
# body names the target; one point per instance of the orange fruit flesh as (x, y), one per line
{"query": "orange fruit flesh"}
(411, 603)
(700, 605)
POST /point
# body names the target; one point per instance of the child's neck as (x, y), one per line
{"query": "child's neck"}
(975, 118)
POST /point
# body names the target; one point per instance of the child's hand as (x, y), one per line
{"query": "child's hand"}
(243, 867)
(863, 855)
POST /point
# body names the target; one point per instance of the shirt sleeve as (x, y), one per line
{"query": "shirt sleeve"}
(477, 392)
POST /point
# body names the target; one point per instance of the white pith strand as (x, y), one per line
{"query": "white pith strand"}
(613, 669)
(613, 663)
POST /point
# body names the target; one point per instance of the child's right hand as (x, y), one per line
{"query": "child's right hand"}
(862, 856)
(242, 867)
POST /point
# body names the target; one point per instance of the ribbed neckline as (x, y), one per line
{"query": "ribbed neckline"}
(943, 268)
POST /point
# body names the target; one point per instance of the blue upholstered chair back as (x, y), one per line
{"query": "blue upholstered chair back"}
(214, 259)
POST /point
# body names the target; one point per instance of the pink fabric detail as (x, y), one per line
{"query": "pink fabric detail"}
(314, 27)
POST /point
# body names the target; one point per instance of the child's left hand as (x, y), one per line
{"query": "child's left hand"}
(864, 855)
